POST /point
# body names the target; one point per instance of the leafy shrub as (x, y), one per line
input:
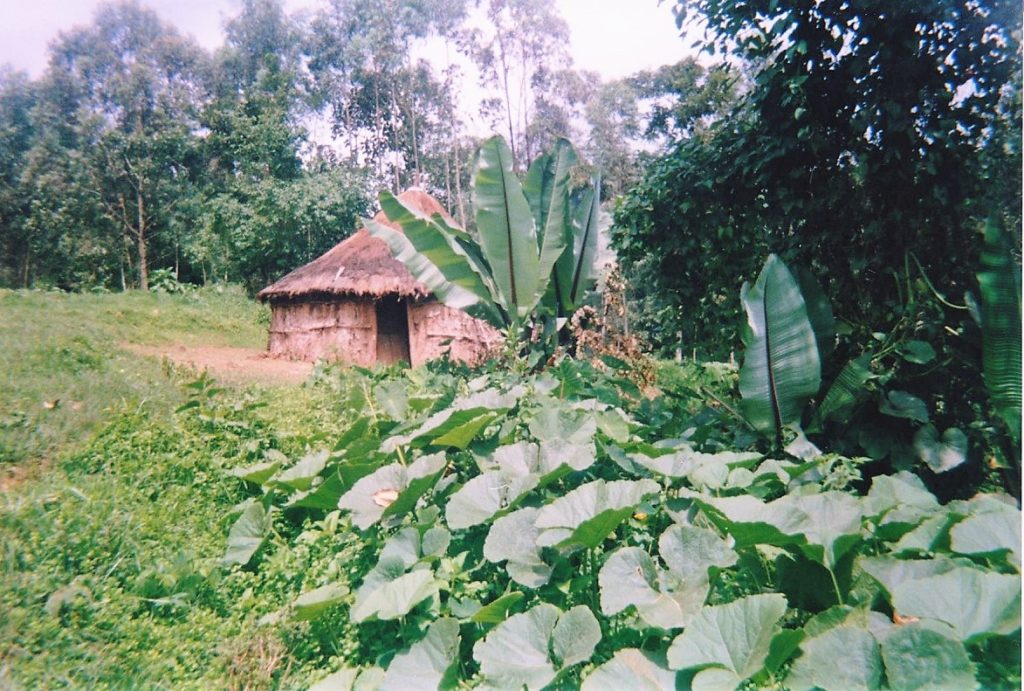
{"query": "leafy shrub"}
(534, 531)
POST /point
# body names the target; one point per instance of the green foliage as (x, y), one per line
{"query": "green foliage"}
(63, 377)
(781, 365)
(999, 282)
(532, 238)
(549, 537)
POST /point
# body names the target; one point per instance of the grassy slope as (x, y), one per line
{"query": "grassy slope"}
(63, 347)
(109, 573)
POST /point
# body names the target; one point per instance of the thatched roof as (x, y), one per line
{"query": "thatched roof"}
(358, 265)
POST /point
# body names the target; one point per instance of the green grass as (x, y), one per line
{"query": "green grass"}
(62, 374)
(110, 573)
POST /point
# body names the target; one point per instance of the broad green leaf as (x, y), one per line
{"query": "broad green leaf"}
(842, 658)
(845, 390)
(458, 424)
(497, 611)
(425, 665)
(314, 603)
(460, 435)
(829, 523)
(943, 454)
(904, 405)
(746, 520)
(999, 282)
(426, 272)
(486, 495)
(630, 669)
(391, 599)
(391, 490)
(508, 234)
(830, 520)
(925, 536)
(515, 653)
(438, 245)
(736, 636)
(558, 454)
(514, 538)
(989, 533)
(421, 475)
(300, 476)
(575, 636)
(715, 679)
(704, 469)
(323, 496)
(450, 427)
(404, 546)
(891, 572)
(574, 269)
(547, 190)
(917, 352)
(530, 649)
(584, 517)
(631, 578)
(392, 398)
(248, 534)
(670, 464)
(975, 603)
(921, 656)
(435, 542)
(784, 643)
(258, 473)
(781, 367)
(903, 495)
(689, 551)
(560, 422)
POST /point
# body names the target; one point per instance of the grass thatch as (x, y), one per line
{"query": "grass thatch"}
(359, 265)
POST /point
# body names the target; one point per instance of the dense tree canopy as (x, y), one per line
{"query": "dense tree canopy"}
(865, 148)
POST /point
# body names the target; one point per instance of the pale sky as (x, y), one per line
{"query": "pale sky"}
(611, 37)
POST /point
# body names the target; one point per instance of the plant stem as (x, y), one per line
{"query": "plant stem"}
(835, 584)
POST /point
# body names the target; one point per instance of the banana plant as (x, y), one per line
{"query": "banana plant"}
(781, 370)
(525, 233)
(999, 282)
(568, 225)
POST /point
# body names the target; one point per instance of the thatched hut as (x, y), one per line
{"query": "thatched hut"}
(360, 305)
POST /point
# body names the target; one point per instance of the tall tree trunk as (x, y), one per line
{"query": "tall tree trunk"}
(458, 182)
(141, 238)
(26, 268)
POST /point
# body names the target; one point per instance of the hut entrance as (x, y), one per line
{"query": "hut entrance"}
(392, 331)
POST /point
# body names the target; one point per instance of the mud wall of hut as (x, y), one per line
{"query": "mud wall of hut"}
(434, 329)
(343, 328)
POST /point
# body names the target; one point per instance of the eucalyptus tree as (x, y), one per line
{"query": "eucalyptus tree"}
(17, 98)
(866, 126)
(520, 52)
(383, 102)
(130, 87)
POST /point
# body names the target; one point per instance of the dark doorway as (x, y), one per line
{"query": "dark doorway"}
(392, 331)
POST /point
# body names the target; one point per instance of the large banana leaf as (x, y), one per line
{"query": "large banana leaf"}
(575, 267)
(425, 271)
(999, 281)
(781, 367)
(439, 243)
(508, 234)
(547, 191)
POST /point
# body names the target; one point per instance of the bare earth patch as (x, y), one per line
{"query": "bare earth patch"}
(236, 365)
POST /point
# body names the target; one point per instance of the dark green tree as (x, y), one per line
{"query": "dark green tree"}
(859, 151)
(17, 98)
(122, 102)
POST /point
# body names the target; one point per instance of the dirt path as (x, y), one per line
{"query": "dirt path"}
(237, 365)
